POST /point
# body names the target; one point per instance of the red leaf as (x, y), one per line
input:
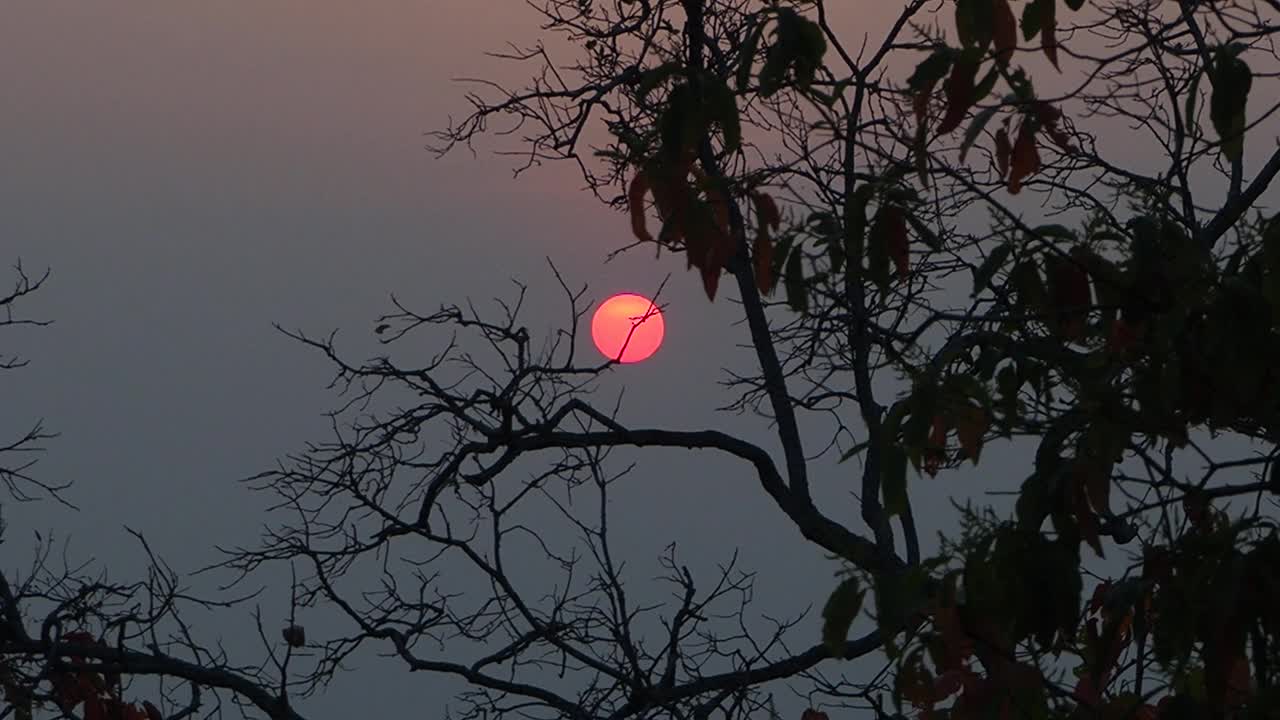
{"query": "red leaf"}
(1098, 487)
(971, 426)
(1238, 681)
(1004, 30)
(94, 709)
(1090, 531)
(1099, 596)
(956, 644)
(79, 637)
(1003, 151)
(767, 210)
(153, 712)
(959, 89)
(947, 684)
(1086, 691)
(1121, 338)
(1024, 159)
(812, 714)
(935, 452)
(710, 281)
(767, 217)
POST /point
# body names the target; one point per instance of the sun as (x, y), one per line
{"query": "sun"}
(628, 328)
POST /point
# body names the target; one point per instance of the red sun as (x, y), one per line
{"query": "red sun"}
(629, 326)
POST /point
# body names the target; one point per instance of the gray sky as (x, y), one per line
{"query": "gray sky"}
(193, 173)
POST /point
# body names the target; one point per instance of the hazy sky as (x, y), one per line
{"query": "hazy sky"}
(194, 172)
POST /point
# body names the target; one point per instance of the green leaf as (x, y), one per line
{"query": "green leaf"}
(780, 55)
(1033, 504)
(897, 597)
(853, 451)
(878, 251)
(1054, 230)
(975, 128)
(975, 20)
(931, 70)
(1029, 286)
(1007, 383)
(1193, 93)
(838, 614)
(987, 270)
(1034, 16)
(793, 278)
(893, 478)
(681, 124)
(855, 233)
(723, 107)
(781, 246)
(747, 56)
(652, 78)
(985, 85)
(1232, 80)
(924, 233)
(812, 48)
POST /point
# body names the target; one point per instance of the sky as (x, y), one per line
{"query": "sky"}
(194, 172)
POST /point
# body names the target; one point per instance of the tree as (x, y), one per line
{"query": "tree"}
(971, 266)
(16, 454)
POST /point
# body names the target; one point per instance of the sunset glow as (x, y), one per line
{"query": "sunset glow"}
(612, 328)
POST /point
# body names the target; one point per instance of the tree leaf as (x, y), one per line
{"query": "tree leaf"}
(1024, 160)
(990, 265)
(1049, 32)
(1032, 19)
(1069, 294)
(971, 424)
(1026, 282)
(1193, 94)
(635, 203)
(767, 217)
(974, 21)
(747, 55)
(897, 239)
(893, 479)
(722, 106)
(1003, 152)
(842, 608)
(650, 79)
(1054, 230)
(1232, 80)
(1004, 31)
(975, 129)
(959, 90)
(793, 279)
(878, 249)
